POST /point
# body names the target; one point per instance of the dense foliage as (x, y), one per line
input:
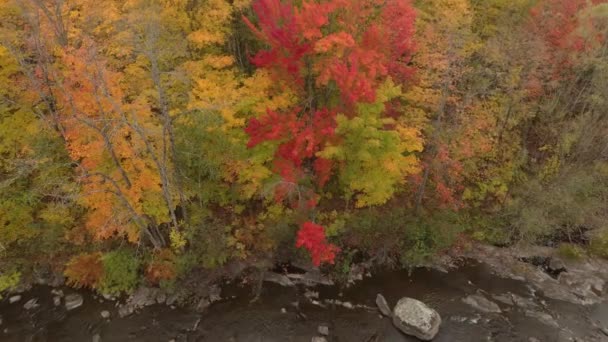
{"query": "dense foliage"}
(141, 139)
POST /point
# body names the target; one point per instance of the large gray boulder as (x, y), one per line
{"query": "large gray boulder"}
(415, 318)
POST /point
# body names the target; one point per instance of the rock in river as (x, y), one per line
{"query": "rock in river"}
(415, 318)
(544, 318)
(323, 330)
(31, 304)
(481, 303)
(383, 305)
(73, 301)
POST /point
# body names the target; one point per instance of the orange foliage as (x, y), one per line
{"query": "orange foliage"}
(162, 267)
(84, 270)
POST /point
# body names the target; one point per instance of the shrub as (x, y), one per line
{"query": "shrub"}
(9, 281)
(425, 237)
(396, 234)
(162, 267)
(599, 244)
(84, 270)
(570, 251)
(120, 272)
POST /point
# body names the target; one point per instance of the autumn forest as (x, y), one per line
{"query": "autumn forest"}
(143, 139)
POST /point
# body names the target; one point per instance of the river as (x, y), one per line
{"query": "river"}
(289, 313)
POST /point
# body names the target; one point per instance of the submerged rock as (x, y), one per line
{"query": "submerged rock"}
(415, 318)
(383, 305)
(14, 299)
(73, 301)
(544, 318)
(481, 303)
(56, 300)
(105, 314)
(96, 338)
(522, 302)
(31, 304)
(504, 298)
(318, 339)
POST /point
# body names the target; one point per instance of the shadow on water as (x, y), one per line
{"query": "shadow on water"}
(286, 314)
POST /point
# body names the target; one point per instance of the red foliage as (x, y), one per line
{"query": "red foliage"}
(279, 29)
(357, 53)
(354, 45)
(301, 136)
(557, 23)
(312, 237)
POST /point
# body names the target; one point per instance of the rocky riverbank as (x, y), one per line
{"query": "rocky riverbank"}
(514, 295)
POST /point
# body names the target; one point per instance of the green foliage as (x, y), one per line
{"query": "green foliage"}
(120, 272)
(599, 243)
(398, 235)
(208, 243)
(374, 161)
(9, 280)
(563, 206)
(571, 251)
(428, 236)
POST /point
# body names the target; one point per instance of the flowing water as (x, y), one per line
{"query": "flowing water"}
(286, 314)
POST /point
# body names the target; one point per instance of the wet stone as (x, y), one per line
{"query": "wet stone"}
(31, 304)
(383, 305)
(125, 310)
(73, 301)
(556, 265)
(56, 300)
(544, 318)
(415, 318)
(504, 298)
(105, 314)
(481, 303)
(56, 292)
(323, 330)
(14, 299)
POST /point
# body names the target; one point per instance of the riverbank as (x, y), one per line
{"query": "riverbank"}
(534, 301)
